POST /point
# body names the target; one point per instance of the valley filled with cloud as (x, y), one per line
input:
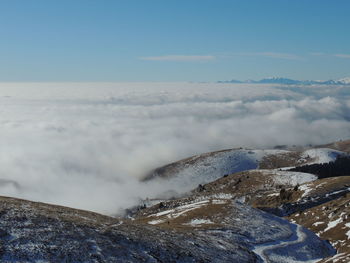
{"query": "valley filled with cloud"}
(86, 145)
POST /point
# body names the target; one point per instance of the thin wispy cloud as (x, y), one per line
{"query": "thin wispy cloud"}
(193, 58)
(321, 54)
(267, 54)
(276, 55)
(317, 54)
(180, 58)
(342, 56)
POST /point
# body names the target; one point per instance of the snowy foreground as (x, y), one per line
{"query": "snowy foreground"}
(34, 232)
(212, 221)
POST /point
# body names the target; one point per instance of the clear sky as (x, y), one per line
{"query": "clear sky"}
(173, 40)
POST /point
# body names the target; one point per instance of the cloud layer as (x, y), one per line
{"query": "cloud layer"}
(180, 58)
(87, 145)
(277, 55)
(343, 55)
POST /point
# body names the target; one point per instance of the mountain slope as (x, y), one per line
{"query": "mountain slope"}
(36, 232)
(343, 145)
(273, 189)
(231, 210)
(225, 220)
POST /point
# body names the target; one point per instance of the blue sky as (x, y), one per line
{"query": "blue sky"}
(173, 40)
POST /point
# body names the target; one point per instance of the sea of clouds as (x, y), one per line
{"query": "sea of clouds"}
(86, 145)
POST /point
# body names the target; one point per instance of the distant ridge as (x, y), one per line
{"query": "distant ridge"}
(286, 81)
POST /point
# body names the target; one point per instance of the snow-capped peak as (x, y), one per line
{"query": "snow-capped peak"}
(344, 80)
(287, 81)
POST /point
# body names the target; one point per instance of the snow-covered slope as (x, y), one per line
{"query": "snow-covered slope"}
(201, 169)
(321, 155)
(210, 166)
(34, 232)
(289, 178)
(184, 175)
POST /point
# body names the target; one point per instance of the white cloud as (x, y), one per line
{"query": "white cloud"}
(192, 58)
(317, 54)
(86, 145)
(180, 58)
(276, 55)
(280, 55)
(343, 55)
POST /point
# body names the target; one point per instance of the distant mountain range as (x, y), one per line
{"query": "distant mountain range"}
(286, 81)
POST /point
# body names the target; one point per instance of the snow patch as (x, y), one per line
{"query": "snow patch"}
(222, 196)
(155, 222)
(336, 257)
(218, 202)
(348, 234)
(281, 177)
(176, 212)
(317, 223)
(333, 223)
(306, 189)
(321, 155)
(195, 222)
(292, 178)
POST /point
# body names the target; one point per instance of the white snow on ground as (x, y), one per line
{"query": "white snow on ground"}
(333, 223)
(205, 168)
(195, 222)
(337, 192)
(348, 234)
(306, 189)
(268, 244)
(286, 168)
(164, 212)
(299, 236)
(273, 194)
(222, 196)
(317, 223)
(289, 178)
(176, 212)
(219, 202)
(155, 222)
(336, 258)
(292, 178)
(321, 155)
